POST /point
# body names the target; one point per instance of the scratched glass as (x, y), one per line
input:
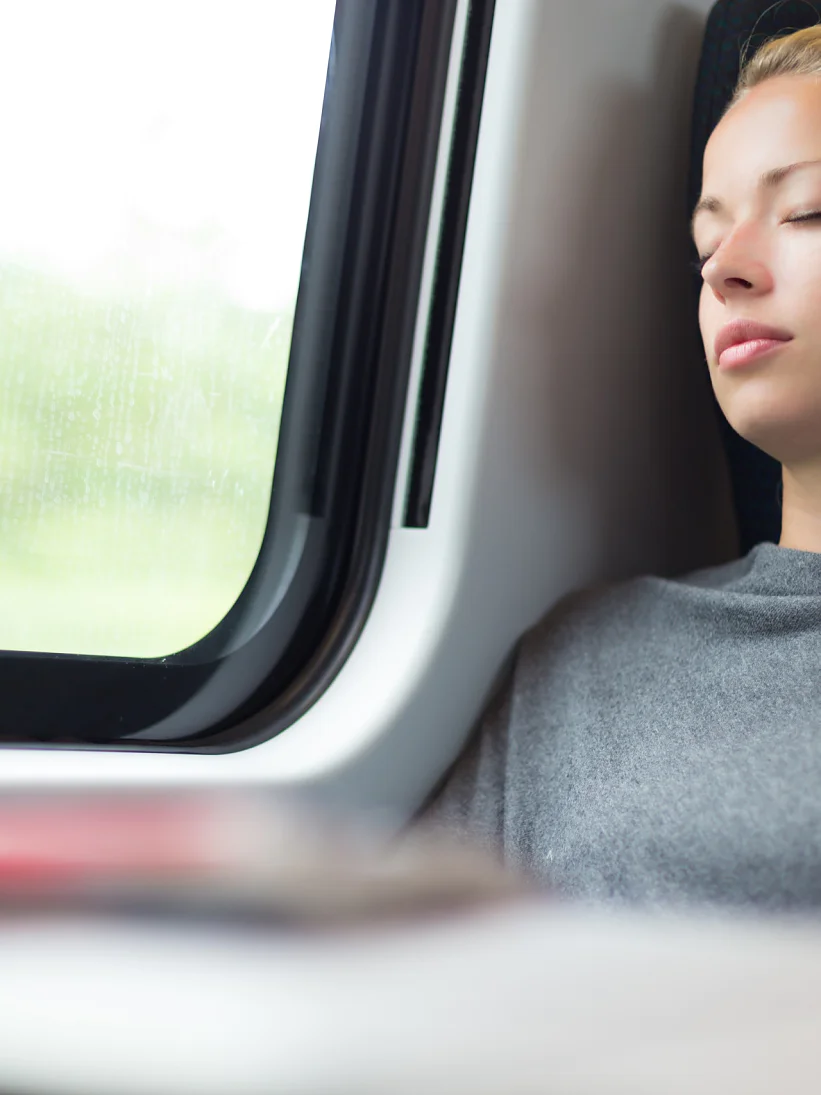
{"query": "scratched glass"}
(157, 168)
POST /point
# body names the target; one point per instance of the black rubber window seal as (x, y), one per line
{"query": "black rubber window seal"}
(449, 263)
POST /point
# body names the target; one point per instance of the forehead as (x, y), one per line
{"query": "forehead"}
(775, 123)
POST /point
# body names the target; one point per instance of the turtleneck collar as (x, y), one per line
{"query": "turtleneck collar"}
(766, 569)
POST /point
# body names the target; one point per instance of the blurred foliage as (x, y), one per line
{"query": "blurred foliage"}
(137, 443)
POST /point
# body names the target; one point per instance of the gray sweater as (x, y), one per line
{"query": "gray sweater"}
(659, 741)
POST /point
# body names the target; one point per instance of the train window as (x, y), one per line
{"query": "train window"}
(212, 236)
(158, 166)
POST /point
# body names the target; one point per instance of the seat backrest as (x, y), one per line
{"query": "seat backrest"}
(735, 29)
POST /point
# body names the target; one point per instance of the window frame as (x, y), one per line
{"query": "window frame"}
(291, 630)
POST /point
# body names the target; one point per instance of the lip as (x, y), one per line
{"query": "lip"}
(760, 336)
(739, 354)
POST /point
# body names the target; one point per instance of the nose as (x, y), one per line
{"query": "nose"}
(736, 269)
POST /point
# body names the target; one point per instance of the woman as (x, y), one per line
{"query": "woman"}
(660, 740)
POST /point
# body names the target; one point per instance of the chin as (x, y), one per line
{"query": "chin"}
(783, 421)
(788, 438)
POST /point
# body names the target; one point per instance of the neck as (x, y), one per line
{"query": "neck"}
(801, 509)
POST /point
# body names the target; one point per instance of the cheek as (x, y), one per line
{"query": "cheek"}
(708, 320)
(802, 291)
(797, 276)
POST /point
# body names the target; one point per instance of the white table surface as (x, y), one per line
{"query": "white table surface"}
(524, 999)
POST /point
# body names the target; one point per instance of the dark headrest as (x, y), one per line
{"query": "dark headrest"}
(732, 27)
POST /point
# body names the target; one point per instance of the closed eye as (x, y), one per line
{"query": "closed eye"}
(698, 264)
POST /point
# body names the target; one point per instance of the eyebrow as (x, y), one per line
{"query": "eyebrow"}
(767, 181)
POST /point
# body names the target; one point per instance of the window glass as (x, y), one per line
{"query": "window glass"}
(157, 168)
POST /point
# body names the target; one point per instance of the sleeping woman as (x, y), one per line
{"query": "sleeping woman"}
(659, 740)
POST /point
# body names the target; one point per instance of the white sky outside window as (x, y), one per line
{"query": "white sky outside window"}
(158, 160)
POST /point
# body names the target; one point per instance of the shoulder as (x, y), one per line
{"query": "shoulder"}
(597, 612)
(605, 628)
(586, 616)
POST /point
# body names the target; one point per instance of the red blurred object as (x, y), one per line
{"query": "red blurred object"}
(43, 840)
(239, 852)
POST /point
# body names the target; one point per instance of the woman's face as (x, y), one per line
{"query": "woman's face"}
(765, 265)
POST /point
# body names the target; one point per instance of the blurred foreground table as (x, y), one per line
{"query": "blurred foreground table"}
(530, 997)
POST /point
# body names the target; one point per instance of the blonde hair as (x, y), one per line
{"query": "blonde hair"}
(796, 54)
